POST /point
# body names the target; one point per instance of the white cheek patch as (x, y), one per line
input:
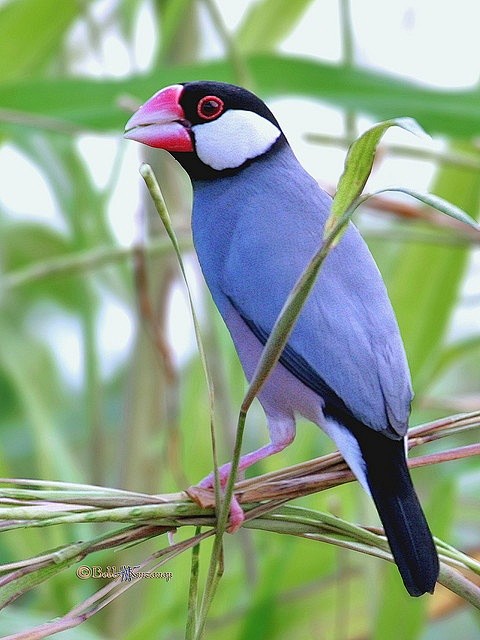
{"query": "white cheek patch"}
(234, 138)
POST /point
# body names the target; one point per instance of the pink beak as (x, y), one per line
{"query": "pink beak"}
(160, 122)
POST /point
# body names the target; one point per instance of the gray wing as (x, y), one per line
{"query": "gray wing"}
(346, 344)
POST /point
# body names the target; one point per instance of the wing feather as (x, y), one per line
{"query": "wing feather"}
(346, 345)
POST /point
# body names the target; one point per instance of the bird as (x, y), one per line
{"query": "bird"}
(257, 219)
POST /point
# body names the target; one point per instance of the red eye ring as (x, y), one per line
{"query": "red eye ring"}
(209, 107)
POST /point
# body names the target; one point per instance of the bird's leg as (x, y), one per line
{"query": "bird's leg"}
(282, 433)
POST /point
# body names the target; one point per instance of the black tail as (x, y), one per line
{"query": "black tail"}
(400, 512)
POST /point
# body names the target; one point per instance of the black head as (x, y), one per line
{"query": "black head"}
(212, 128)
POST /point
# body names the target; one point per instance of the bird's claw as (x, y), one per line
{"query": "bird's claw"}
(237, 515)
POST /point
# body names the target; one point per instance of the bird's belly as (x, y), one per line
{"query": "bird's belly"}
(283, 393)
(284, 397)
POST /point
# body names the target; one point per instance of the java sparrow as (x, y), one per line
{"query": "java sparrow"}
(257, 219)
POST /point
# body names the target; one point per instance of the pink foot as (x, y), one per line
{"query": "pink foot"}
(237, 515)
(209, 481)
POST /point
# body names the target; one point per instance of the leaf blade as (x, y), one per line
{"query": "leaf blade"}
(28, 43)
(359, 163)
(95, 105)
(440, 204)
(426, 280)
(268, 22)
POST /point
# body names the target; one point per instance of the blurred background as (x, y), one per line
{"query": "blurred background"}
(100, 381)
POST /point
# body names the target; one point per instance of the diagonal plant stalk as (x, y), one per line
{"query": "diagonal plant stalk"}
(191, 623)
(79, 263)
(237, 60)
(106, 594)
(157, 197)
(215, 571)
(463, 160)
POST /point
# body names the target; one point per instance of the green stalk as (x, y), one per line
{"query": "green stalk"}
(193, 591)
(239, 65)
(79, 263)
(213, 572)
(157, 197)
(460, 585)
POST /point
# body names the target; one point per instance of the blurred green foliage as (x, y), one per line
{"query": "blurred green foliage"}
(143, 428)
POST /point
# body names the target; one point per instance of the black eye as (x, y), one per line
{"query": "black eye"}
(209, 107)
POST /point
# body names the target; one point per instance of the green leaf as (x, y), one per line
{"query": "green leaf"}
(358, 165)
(26, 244)
(30, 32)
(426, 279)
(28, 580)
(268, 22)
(436, 202)
(173, 15)
(393, 600)
(92, 104)
(127, 13)
(454, 353)
(37, 389)
(29, 616)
